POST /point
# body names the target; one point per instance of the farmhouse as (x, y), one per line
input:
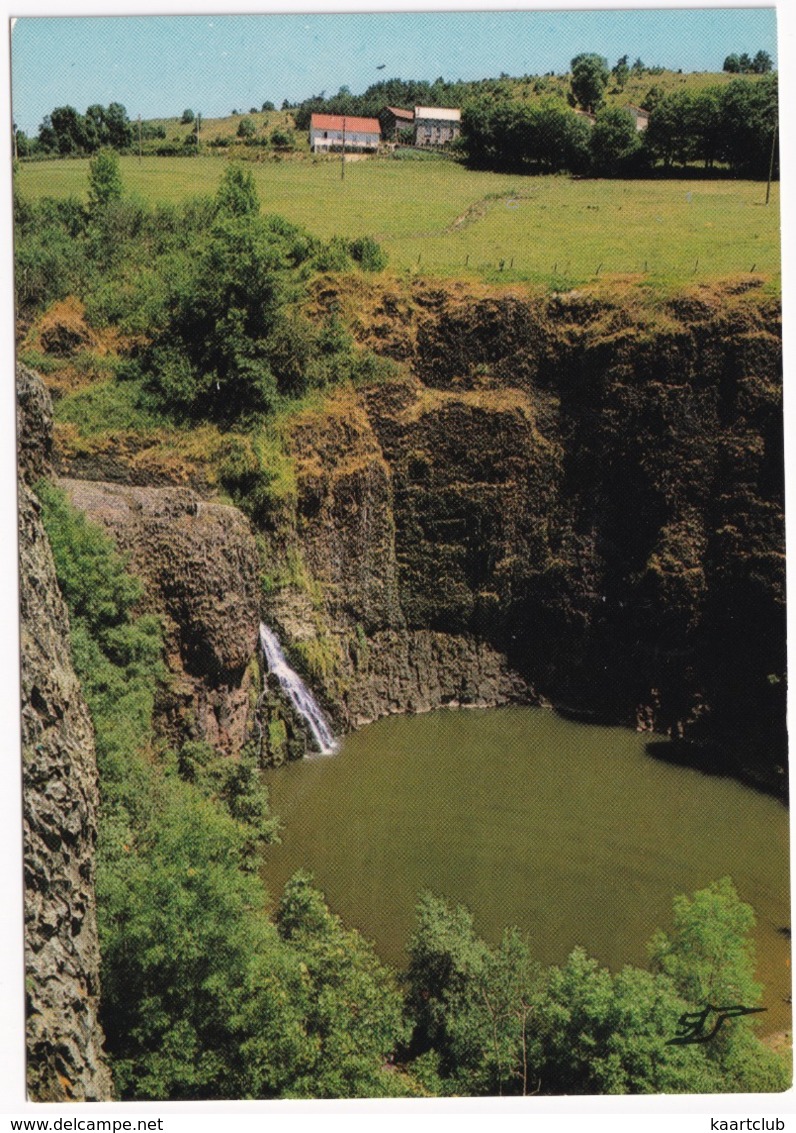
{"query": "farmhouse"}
(393, 119)
(330, 131)
(436, 125)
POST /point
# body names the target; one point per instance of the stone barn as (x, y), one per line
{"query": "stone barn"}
(393, 119)
(436, 125)
(640, 116)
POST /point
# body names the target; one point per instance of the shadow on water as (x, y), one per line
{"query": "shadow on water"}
(713, 760)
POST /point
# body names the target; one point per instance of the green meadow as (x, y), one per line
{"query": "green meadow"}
(437, 217)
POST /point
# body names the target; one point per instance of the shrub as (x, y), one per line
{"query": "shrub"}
(368, 254)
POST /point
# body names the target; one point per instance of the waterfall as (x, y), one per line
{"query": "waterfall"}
(300, 696)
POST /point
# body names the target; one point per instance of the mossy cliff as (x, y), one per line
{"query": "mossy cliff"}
(575, 498)
(588, 485)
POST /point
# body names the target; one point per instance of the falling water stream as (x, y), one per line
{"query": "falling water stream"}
(297, 692)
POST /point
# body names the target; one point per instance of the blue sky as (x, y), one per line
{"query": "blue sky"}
(159, 65)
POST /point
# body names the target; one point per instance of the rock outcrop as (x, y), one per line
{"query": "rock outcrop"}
(65, 1060)
(199, 563)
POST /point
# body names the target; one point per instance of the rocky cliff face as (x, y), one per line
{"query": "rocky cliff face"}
(591, 487)
(199, 563)
(583, 489)
(65, 1059)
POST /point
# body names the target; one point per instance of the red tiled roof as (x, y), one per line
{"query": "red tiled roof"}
(335, 122)
(396, 110)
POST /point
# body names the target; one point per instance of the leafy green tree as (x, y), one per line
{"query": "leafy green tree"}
(732, 64)
(246, 128)
(709, 955)
(187, 116)
(707, 125)
(762, 63)
(614, 142)
(237, 194)
(670, 134)
(95, 127)
(444, 955)
(104, 180)
(119, 126)
(749, 113)
(69, 130)
(350, 1003)
(621, 72)
(590, 76)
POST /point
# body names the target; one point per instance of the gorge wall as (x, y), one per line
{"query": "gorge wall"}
(65, 1060)
(591, 487)
(574, 498)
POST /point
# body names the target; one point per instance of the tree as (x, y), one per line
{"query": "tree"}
(96, 127)
(69, 129)
(670, 133)
(621, 72)
(120, 130)
(187, 116)
(709, 955)
(614, 141)
(104, 180)
(590, 76)
(246, 128)
(710, 959)
(268, 106)
(351, 1008)
(749, 112)
(237, 194)
(762, 63)
(732, 64)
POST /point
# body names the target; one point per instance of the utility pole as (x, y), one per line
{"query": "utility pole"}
(139, 139)
(771, 162)
(342, 155)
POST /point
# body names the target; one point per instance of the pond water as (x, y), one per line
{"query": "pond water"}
(570, 831)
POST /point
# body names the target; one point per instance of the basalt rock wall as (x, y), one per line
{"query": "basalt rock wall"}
(65, 1060)
(593, 488)
(586, 489)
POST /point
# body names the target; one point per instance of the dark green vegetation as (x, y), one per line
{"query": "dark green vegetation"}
(214, 287)
(206, 995)
(490, 1020)
(730, 126)
(743, 64)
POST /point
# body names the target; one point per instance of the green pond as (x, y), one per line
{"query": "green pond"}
(571, 831)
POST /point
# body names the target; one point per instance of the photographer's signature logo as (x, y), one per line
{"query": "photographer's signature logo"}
(692, 1024)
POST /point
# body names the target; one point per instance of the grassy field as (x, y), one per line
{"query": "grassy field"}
(437, 217)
